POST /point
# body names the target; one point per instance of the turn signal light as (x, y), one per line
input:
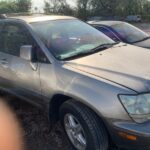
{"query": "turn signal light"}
(127, 136)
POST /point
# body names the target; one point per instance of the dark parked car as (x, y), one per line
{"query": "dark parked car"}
(97, 88)
(123, 32)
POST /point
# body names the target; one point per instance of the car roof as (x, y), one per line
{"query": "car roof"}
(31, 19)
(106, 23)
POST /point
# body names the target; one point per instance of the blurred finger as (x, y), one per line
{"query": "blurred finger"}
(10, 131)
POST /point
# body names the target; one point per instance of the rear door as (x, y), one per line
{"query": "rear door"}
(25, 77)
(5, 61)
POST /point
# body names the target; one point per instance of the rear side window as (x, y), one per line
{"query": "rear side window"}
(109, 33)
(13, 37)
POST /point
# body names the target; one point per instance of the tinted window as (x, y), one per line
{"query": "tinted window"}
(13, 37)
(109, 33)
(129, 33)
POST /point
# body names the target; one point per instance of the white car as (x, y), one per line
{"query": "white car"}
(133, 18)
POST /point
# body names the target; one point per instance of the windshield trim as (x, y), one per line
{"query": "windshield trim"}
(146, 38)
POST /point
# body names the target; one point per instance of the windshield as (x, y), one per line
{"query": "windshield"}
(65, 38)
(130, 33)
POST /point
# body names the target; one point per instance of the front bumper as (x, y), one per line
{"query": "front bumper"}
(130, 135)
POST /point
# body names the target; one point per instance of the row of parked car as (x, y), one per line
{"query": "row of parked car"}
(130, 18)
(91, 80)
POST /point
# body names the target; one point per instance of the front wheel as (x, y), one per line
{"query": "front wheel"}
(83, 128)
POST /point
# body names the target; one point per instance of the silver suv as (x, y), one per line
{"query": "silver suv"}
(99, 89)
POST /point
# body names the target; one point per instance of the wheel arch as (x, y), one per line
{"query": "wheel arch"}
(58, 99)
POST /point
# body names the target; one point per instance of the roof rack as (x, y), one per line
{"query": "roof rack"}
(3, 16)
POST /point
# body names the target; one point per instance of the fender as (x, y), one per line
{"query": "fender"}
(97, 98)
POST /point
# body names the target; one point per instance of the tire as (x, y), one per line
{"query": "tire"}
(93, 128)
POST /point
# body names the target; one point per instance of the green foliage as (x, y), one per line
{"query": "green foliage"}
(146, 8)
(47, 7)
(120, 8)
(58, 7)
(84, 8)
(15, 6)
(146, 18)
(8, 7)
(88, 8)
(23, 5)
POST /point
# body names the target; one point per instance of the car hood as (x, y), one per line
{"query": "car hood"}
(123, 64)
(145, 44)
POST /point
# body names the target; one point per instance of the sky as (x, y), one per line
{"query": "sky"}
(40, 3)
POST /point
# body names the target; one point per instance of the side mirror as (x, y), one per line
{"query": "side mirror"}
(26, 52)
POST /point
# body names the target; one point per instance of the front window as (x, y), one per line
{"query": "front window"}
(65, 38)
(129, 33)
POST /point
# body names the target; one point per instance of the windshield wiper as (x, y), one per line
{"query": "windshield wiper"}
(104, 46)
(92, 51)
(146, 38)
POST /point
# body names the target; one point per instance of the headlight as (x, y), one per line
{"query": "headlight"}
(138, 106)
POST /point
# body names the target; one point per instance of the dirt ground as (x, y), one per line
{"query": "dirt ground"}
(37, 133)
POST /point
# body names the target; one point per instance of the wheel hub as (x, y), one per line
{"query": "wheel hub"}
(75, 132)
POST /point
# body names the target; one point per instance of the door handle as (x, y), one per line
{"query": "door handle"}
(34, 66)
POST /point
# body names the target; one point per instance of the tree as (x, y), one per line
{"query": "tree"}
(112, 7)
(146, 8)
(8, 7)
(23, 5)
(58, 7)
(47, 7)
(15, 6)
(65, 9)
(83, 8)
